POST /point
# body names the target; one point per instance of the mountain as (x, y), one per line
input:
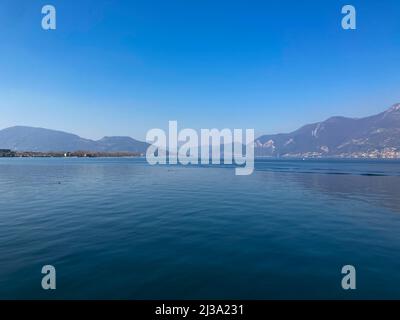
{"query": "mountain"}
(21, 138)
(116, 144)
(374, 136)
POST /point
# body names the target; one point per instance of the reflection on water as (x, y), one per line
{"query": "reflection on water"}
(380, 191)
(366, 180)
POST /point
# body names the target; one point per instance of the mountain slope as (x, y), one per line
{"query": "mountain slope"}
(374, 136)
(115, 144)
(337, 136)
(22, 138)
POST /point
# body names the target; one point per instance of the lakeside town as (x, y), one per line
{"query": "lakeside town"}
(7, 153)
(387, 153)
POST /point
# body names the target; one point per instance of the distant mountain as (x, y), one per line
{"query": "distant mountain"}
(374, 136)
(115, 144)
(21, 138)
(377, 135)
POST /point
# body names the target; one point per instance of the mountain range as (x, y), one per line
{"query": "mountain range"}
(376, 135)
(22, 138)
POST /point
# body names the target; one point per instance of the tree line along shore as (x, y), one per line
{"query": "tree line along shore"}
(6, 153)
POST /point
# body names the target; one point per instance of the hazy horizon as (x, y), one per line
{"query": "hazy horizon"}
(136, 138)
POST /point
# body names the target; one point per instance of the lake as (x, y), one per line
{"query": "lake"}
(118, 228)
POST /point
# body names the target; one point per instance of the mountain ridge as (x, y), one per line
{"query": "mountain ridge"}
(372, 136)
(25, 138)
(338, 136)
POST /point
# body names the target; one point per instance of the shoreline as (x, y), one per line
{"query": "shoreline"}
(61, 154)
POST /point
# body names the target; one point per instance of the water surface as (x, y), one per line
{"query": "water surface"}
(121, 229)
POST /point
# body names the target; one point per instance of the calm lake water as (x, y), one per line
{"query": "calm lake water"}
(121, 229)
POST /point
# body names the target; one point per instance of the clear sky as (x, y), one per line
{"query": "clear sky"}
(124, 67)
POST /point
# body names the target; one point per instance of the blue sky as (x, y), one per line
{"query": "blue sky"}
(124, 67)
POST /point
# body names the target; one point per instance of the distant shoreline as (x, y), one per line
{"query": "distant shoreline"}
(83, 154)
(4, 153)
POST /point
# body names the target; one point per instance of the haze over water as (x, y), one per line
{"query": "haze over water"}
(121, 229)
